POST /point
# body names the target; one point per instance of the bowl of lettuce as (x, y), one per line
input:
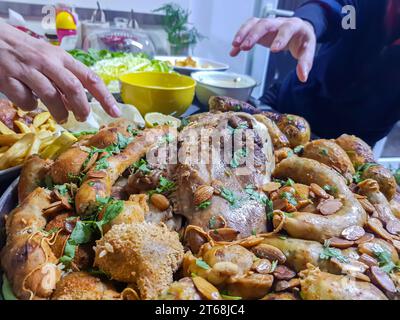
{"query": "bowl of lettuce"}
(111, 65)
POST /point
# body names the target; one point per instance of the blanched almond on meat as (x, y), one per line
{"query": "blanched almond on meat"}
(266, 251)
(271, 186)
(53, 209)
(318, 191)
(365, 238)
(376, 226)
(251, 241)
(96, 174)
(160, 201)
(368, 207)
(381, 279)
(202, 194)
(330, 206)
(393, 226)
(301, 204)
(283, 273)
(283, 285)
(353, 233)
(302, 191)
(368, 260)
(262, 266)
(340, 243)
(224, 234)
(206, 289)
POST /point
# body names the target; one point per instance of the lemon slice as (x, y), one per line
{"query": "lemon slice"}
(154, 119)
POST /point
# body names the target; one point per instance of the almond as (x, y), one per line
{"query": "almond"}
(266, 251)
(328, 207)
(96, 175)
(368, 207)
(160, 201)
(318, 191)
(271, 186)
(251, 241)
(206, 289)
(353, 233)
(223, 234)
(202, 194)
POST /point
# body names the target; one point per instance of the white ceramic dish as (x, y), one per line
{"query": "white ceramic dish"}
(237, 86)
(204, 64)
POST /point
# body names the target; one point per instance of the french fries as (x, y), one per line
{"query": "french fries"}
(40, 135)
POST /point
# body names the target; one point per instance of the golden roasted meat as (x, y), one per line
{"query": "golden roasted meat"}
(83, 286)
(358, 151)
(100, 182)
(237, 196)
(70, 163)
(279, 140)
(310, 226)
(318, 285)
(27, 259)
(33, 172)
(184, 289)
(329, 153)
(295, 128)
(142, 254)
(384, 177)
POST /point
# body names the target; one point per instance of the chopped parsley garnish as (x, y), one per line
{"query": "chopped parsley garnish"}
(86, 230)
(329, 253)
(168, 138)
(289, 197)
(204, 205)
(324, 152)
(238, 156)
(102, 164)
(202, 264)
(254, 195)
(164, 186)
(385, 259)
(79, 134)
(212, 223)
(237, 107)
(357, 177)
(132, 131)
(229, 196)
(289, 183)
(185, 122)
(254, 232)
(141, 166)
(274, 264)
(78, 179)
(62, 189)
(330, 189)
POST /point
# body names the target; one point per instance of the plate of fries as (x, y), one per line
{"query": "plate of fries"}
(23, 134)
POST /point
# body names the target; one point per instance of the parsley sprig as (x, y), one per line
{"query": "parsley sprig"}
(330, 252)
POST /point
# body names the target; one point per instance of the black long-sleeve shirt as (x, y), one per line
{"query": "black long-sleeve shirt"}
(354, 86)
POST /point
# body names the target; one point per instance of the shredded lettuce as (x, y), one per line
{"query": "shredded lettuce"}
(111, 69)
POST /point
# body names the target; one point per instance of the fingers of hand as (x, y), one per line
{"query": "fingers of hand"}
(305, 60)
(261, 30)
(94, 85)
(48, 93)
(243, 31)
(285, 34)
(18, 93)
(71, 88)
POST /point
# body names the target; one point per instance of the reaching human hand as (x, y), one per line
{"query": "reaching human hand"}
(31, 68)
(279, 34)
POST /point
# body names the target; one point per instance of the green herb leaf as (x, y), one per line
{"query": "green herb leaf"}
(324, 152)
(289, 183)
(112, 211)
(330, 189)
(212, 222)
(141, 165)
(385, 259)
(289, 197)
(164, 186)
(133, 132)
(329, 253)
(229, 196)
(62, 189)
(202, 264)
(238, 156)
(227, 297)
(254, 195)
(204, 205)
(274, 264)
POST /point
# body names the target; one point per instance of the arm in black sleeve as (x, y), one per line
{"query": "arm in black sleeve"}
(325, 15)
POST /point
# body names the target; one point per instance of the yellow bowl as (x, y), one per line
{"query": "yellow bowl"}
(158, 92)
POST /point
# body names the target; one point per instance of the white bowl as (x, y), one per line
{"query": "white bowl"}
(204, 64)
(228, 84)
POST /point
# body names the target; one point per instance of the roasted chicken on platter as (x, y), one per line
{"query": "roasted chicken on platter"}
(235, 204)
